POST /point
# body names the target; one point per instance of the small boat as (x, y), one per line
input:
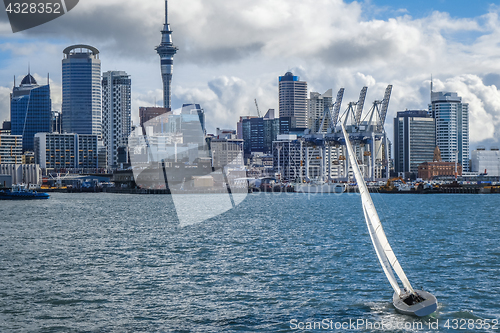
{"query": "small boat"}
(21, 192)
(406, 300)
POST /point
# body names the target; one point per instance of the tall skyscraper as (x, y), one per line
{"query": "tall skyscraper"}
(116, 113)
(414, 140)
(316, 108)
(293, 99)
(81, 87)
(30, 110)
(166, 50)
(452, 126)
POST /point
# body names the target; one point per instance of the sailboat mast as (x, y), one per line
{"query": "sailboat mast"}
(377, 234)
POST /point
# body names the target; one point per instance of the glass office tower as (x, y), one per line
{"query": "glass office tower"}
(452, 127)
(414, 140)
(30, 111)
(81, 85)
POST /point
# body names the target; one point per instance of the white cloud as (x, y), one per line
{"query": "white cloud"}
(484, 105)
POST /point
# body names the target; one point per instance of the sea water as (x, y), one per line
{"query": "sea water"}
(102, 262)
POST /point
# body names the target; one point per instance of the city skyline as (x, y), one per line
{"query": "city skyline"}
(374, 47)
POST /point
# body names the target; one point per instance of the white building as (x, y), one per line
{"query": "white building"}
(22, 173)
(11, 149)
(66, 151)
(293, 99)
(452, 127)
(316, 108)
(486, 161)
(116, 113)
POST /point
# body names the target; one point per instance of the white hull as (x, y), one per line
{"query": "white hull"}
(319, 188)
(421, 309)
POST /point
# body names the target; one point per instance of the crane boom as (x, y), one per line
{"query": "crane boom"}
(385, 105)
(257, 106)
(360, 105)
(336, 108)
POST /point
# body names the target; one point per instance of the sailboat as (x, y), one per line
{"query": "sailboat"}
(406, 300)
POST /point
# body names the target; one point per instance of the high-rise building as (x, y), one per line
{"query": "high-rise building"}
(259, 133)
(66, 151)
(30, 110)
(414, 140)
(316, 108)
(293, 99)
(116, 113)
(452, 126)
(166, 50)
(11, 149)
(81, 88)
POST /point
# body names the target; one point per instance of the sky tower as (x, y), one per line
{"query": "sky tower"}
(166, 50)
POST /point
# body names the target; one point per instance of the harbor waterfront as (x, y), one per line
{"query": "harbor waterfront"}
(277, 262)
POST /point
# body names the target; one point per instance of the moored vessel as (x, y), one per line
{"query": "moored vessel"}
(22, 192)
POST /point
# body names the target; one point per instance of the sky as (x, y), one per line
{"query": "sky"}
(232, 52)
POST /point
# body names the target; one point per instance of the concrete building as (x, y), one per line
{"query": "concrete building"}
(166, 50)
(414, 140)
(30, 110)
(22, 173)
(81, 90)
(226, 152)
(452, 126)
(486, 161)
(316, 108)
(11, 149)
(66, 151)
(116, 113)
(293, 99)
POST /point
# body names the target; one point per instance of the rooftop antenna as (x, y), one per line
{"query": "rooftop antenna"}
(29, 72)
(48, 78)
(14, 80)
(431, 87)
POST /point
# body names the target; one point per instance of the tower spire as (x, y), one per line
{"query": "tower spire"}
(166, 50)
(166, 12)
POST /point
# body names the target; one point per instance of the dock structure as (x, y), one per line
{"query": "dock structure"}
(322, 155)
